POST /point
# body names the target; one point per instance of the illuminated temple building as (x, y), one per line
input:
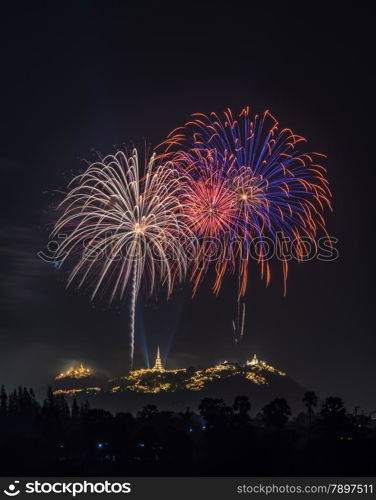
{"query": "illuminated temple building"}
(75, 372)
(158, 366)
(76, 380)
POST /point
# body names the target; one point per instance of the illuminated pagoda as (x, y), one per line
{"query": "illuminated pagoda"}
(158, 366)
(254, 361)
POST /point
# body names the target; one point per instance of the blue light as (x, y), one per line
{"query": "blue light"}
(100, 445)
(203, 427)
(190, 429)
(141, 445)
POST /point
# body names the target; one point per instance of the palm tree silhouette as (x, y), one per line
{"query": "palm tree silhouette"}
(310, 401)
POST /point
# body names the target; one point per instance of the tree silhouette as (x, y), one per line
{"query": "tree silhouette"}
(53, 440)
(75, 412)
(3, 402)
(187, 416)
(242, 407)
(210, 410)
(84, 408)
(310, 401)
(332, 407)
(148, 412)
(334, 421)
(276, 413)
(13, 404)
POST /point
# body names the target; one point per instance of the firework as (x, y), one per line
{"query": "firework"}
(277, 191)
(120, 229)
(210, 206)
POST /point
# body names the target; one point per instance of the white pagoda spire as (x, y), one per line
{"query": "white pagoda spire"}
(254, 361)
(158, 366)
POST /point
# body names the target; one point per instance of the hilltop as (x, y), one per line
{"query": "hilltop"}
(179, 388)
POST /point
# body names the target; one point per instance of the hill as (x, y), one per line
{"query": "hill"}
(175, 390)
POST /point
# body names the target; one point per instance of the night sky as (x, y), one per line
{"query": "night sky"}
(86, 76)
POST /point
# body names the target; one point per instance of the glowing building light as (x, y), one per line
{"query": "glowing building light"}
(75, 372)
(158, 366)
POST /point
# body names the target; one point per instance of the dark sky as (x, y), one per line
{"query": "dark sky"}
(79, 77)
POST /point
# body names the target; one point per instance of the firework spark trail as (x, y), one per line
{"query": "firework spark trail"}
(132, 308)
(243, 319)
(121, 229)
(281, 192)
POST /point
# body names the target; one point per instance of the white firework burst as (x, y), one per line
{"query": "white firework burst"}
(120, 229)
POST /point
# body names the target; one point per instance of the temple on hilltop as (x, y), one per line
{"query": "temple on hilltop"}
(159, 379)
(75, 372)
(254, 361)
(158, 366)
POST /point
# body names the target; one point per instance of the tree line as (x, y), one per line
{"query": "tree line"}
(54, 437)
